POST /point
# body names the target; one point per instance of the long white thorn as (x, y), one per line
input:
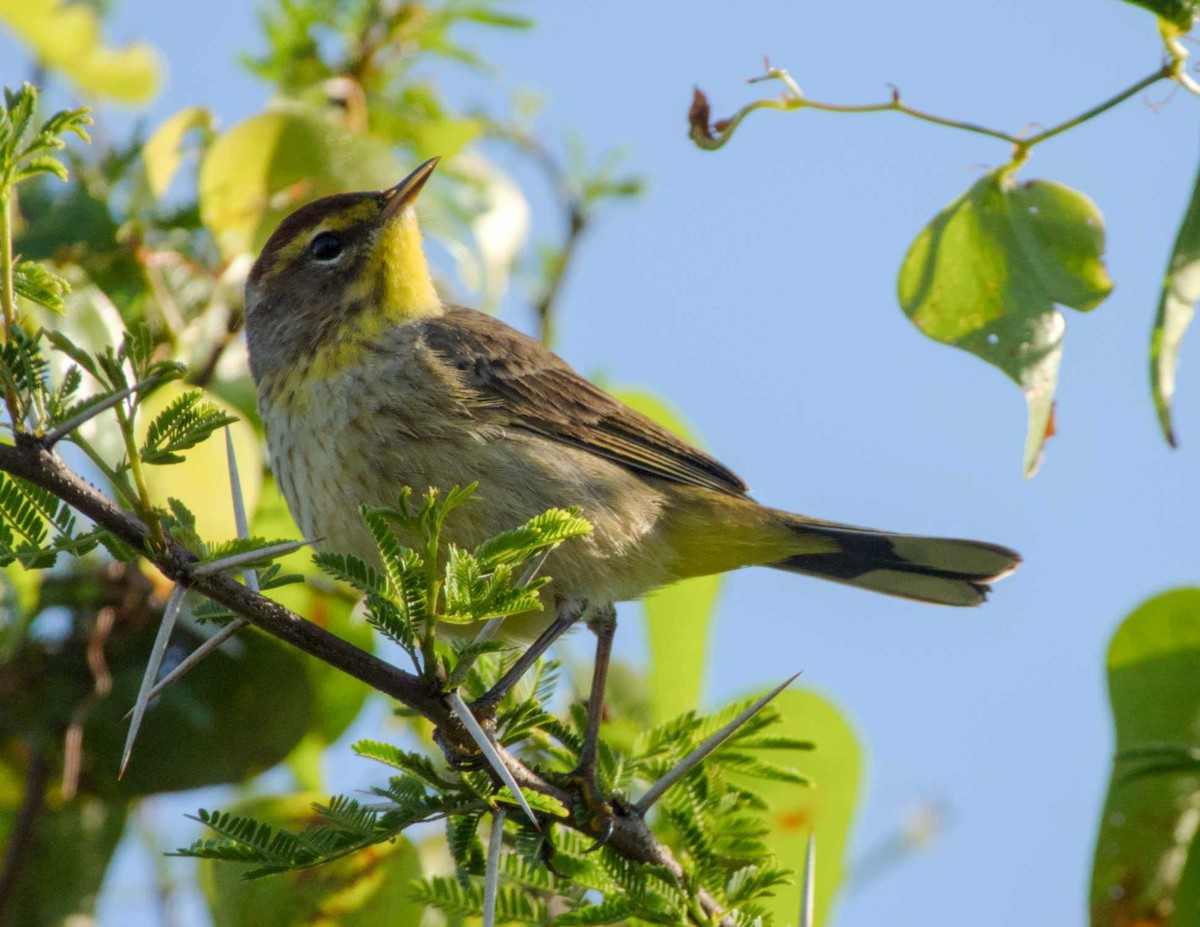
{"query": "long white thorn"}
(488, 749)
(170, 614)
(188, 662)
(491, 876)
(250, 576)
(249, 556)
(808, 888)
(56, 434)
(239, 504)
(693, 759)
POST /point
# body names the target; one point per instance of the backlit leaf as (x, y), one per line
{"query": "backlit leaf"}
(986, 274)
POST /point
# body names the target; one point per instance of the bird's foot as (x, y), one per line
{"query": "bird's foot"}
(600, 818)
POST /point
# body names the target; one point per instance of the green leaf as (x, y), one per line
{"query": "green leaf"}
(163, 152)
(186, 422)
(678, 617)
(1179, 15)
(1149, 819)
(66, 37)
(362, 890)
(263, 168)
(1176, 306)
(986, 273)
(829, 804)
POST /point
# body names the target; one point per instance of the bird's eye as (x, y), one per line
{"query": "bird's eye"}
(325, 247)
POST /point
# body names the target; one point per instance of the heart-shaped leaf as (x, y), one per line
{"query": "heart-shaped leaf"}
(986, 274)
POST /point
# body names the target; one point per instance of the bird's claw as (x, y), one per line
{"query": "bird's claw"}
(458, 757)
(601, 819)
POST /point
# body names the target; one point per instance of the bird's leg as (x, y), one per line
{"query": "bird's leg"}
(569, 611)
(603, 622)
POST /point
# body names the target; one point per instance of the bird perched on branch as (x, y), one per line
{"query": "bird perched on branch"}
(368, 381)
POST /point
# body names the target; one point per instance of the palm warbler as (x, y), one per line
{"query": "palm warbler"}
(367, 382)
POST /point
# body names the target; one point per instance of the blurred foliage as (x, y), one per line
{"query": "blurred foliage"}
(65, 37)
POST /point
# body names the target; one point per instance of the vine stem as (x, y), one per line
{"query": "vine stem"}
(703, 136)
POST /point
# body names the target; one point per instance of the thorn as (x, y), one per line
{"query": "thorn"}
(693, 759)
(808, 888)
(491, 876)
(188, 662)
(54, 435)
(488, 749)
(239, 504)
(170, 614)
(250, 556)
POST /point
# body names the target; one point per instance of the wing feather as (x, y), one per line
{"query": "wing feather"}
(533, 389)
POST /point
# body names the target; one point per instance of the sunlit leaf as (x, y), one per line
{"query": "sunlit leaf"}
(263, 168)
(163, 152)
(1176, 306)
(1149, 819)
(34, 282)
(66, 37)
(829, 804)
(986, 273)
(679, 616)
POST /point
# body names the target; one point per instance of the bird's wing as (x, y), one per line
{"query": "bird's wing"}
(536, 390)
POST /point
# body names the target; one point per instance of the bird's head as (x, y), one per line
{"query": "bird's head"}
(336, 268)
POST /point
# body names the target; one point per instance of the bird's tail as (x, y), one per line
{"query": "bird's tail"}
(945, 571)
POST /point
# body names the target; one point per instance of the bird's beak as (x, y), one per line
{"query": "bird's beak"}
(406, 190)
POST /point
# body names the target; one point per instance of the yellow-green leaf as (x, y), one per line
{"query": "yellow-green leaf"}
(826, 807)
(263, 168)
(163, 151)
(66, 37)
(679, 616)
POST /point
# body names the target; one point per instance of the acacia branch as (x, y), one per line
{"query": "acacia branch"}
(30, 460)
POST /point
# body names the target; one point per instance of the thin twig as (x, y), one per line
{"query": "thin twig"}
(56, 434)
(693, 759)
(101, 688)
(20, 836)
(577, 220)
(715, 137)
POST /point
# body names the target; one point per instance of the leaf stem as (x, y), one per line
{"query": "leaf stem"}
(119, 483)
(1164, 73)
(145, 507)
(7, 290)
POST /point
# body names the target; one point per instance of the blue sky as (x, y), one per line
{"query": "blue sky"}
(755, 288)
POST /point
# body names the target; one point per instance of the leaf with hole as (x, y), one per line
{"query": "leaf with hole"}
(987, 274)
